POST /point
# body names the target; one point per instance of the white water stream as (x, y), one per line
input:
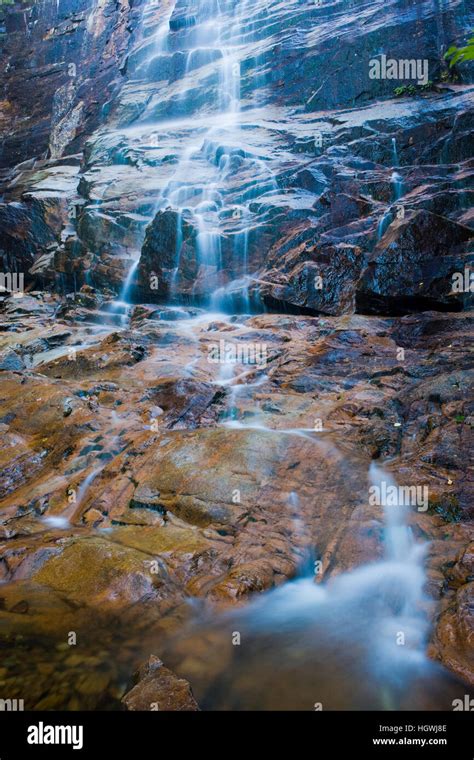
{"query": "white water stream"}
(369, 620)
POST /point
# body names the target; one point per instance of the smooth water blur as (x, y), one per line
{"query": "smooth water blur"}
(354, 641)
(121, 307)
(351, 641)
(208, 131)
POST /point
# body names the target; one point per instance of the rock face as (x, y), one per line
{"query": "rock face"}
(165, 462)
(413, 263)
(61, 64)
(295, 215)
(52, 100)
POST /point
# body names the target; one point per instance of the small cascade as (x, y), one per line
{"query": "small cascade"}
(226, 372)
(398, 190)
(121, 306)
(398, 539)
(394, 152)
(397, 184)
(126, 292)
(295, 512)
(357, 639)
(383, 224)
(160, 41)
(84, 487)
(66, 518)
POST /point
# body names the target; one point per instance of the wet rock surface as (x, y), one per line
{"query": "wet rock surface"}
(78, 47)
(123, 502)
(319, 172)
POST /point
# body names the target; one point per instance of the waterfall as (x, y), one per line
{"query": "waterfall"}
(397, 184)
(209, 46)
(394, 152)
(369, 607)
(121, 306)
(355, 640)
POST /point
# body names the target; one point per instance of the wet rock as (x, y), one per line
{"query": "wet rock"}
(454, 637)
(93, 683)
(67, 407)
(183, 402)
(69, 33)
(160, 689)
(11, 362)
(189, 484)
(72, 571)
(319, 278)
(161, 244)
(413, 263)
(228, 512)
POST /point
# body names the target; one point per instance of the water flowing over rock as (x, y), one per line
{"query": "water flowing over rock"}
(237, 378)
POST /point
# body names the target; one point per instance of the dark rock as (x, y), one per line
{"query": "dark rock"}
(321, 278)
(57, 102)
(412, 265)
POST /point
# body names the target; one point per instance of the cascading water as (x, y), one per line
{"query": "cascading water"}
(398, 539)
(203, 190)
(121, 306)
(383, 224)
(356, 640)
(394, 151)
(397, 184)
(209, 168)
(396, 181)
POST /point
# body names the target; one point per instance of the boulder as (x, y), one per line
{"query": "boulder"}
(413, 264)
(158, 688)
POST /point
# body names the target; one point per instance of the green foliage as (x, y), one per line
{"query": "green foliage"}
(405, 89)
(411, 90)
(460, 55)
